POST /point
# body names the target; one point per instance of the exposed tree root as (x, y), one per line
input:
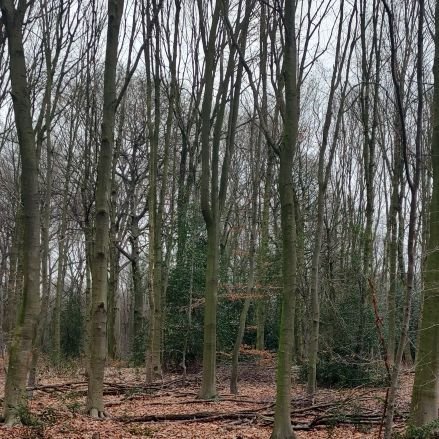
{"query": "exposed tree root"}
(97, 414)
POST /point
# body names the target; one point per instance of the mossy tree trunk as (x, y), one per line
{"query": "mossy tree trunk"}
(25, 327)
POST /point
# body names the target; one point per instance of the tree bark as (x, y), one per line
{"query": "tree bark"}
(282, 417)
(425, 396)
(208, 385)
(99, 268)
(62, 247)
(24, 333)
(414, 186)
(251, 269)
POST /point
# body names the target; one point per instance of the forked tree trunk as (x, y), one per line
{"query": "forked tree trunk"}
(24, 332)
(208, 385)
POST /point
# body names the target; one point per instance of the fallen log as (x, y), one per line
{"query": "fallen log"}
(266, 418)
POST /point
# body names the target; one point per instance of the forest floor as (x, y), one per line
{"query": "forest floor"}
(170, 408)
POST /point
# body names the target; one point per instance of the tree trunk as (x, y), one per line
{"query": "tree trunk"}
(263, 248)
(208, 385)
(13, 283)
(99, 268)
(114, 254)
(24, 333)
(324, 171)
(45, 240)
(425, 396)
(157, 199)
(369, 122)
(62, 247)
(251, 269)
(414, 186)
(138, 293)
(282, 417)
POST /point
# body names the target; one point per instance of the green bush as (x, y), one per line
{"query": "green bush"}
(429, 431)
(27, 418)
(187, 278)
(346, 372)
(71, 326)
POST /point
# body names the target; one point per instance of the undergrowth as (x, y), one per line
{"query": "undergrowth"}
(429, 431)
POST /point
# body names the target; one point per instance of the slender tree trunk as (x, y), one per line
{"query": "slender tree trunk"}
(208, 385)
(282, 417)
(324, 171)
(99, 268)
(414, 186)
(264, 254)
(113, 299)
(62, 247)
(114, 254)
(263, 248)
(395, 207)
(138, 292)
(12, 292)
(157, 199)
(251, 269)
(369, 122)
(45, 240)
